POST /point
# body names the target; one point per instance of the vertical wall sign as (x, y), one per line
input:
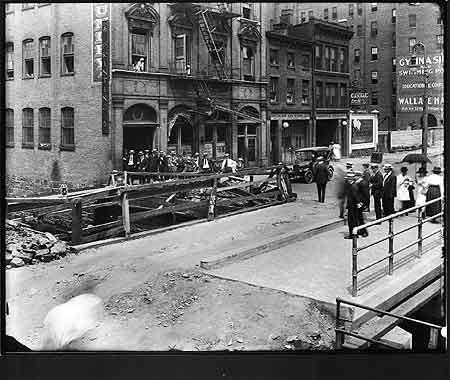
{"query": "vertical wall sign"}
(100, 12)
(105, 77)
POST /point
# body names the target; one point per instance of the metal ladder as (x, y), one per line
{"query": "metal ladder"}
(210, 44)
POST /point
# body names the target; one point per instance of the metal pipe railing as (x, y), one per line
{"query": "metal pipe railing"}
(390, 237)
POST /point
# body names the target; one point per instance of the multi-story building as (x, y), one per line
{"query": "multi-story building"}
(382, 33)
(309, 80)
(186, 52)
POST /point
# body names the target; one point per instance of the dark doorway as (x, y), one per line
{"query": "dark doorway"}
(137, 138)
(325, 132)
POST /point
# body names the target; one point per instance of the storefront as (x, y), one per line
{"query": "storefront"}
(363, 133)
(329, 127)
(247, 137)
(215, 135)
(180, 131)
(139, 126)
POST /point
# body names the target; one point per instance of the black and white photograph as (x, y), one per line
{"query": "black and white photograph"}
(260, 177)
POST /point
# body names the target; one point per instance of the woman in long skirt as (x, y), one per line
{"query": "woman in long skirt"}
(435, 190)
(422, 188)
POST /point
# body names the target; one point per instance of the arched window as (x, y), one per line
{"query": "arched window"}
(44, 57)
(9, 60)
(9, 127)
(27, 128)
(67, 128)
(28, 59)
(44, 128)
(67, 54)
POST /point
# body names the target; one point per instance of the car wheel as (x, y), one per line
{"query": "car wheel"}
(308, 176)
(330, 173)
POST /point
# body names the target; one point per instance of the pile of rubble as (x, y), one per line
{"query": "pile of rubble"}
(25, 246)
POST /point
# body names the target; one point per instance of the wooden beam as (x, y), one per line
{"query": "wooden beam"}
(102, 234)
(212, 201)
(38, 200)
(76, 221)
(101, 227)
(165, 210)
(125, 214)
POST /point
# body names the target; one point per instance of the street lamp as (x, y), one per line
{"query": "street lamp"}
(425, 102)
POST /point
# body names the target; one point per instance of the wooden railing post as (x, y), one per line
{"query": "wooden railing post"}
(339, 335)
(419, 232)
(391, 247)
(125, 213)
(76, 221)
(212, 201)
(354, 265)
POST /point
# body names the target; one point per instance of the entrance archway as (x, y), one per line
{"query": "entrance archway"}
(139, 124)
(248, 137)
(180, 131)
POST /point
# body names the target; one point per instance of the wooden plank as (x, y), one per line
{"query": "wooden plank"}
(268, 196)
(125, 214)
(165, 210)
(240, 186)
(102, 234)
(378, 327)
(101, 227)
(76, 221)
(39, 200)
(212, 201)
(104, 204)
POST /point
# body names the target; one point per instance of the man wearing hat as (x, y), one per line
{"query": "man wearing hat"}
(349, 166)
(240, 164)
(320, 171)
(389, 190)
(205, 164)
(376, 186)
(354, 205)
(228, 165)
(365, 187)
(404, 189)
(435, 190)
(131, 161)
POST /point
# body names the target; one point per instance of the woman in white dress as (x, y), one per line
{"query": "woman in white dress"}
(422, 188)
(404, 184)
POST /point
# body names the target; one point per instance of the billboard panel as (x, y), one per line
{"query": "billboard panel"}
(100, 12)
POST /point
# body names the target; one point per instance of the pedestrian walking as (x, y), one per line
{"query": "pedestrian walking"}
(354, 205)
(435, 190)
(389, 190)
(336, 152)
(320, 172)
(405, 185)
(365, 187)
(422, 189)
(376, 188)
(339, 178)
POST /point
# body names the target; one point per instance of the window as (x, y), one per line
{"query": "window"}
(327, 58)
(290, 91)
(290, 60)
(247, 10)
(325, 14)
(357, 74)
(273, 93)
(374, 77)
(373, 28)
(351, 10)
(139, 48)
(9, 60)
(373, 7)
(248, 63)
(67, 128)
(306, 61)
(394, 16)
(393, 65)
(374, 97)
(9, 127)
(67, 57)
(412, 20)
(334, 59)
(318, 59)
(333, 95)
(305, 91)
(359, 30)
(374, 51)
(359, 9)
(44, 128)
(28, 59)
(412, 43)
(310, 14)
(334, 13)
(357, 54)
(182, 52)
(302, 16)
(343, 60)
(27, 6)
(44, 52)
(274, 57)
(27, 127)
(319, 94)
(343, 96)
(440, 41)
(394, 39)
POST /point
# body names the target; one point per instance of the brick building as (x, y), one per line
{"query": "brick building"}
(54, 89)
(382, 32)
(309, 80)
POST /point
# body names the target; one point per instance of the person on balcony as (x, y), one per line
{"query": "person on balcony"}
(140, 65)
(435, 190)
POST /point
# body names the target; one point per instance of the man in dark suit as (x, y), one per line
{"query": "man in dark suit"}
(355, 205)
(389, 190)
(366, 187)
(376, 185)
(320, 171)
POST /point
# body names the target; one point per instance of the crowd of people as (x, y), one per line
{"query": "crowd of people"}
(354, 190)
(170, 162)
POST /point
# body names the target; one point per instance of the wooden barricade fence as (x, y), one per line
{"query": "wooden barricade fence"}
(163, 194)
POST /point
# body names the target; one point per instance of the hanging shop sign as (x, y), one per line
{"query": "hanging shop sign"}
(100, 12)
(358, 99)
(105, 77)
(290, 116)
(331, 116)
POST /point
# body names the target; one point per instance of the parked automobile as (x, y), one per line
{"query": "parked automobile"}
(305, 159)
